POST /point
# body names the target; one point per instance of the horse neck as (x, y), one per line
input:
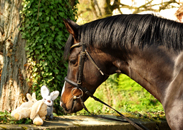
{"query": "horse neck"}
(151, 68)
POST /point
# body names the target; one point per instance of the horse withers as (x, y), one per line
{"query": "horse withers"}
(147, 48)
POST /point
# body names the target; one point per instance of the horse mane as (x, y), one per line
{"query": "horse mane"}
(135, 29)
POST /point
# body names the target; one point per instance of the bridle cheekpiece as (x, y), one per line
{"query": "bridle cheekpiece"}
(77, 85)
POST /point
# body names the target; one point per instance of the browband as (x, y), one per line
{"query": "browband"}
(76, 45)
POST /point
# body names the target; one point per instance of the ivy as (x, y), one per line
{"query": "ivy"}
(45, 33)
(6, 118)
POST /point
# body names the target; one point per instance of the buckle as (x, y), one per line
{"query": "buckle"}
(76, 97)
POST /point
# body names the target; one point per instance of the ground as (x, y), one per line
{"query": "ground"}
(87, 123)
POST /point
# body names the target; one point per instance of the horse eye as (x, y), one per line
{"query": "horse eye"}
(73, 62)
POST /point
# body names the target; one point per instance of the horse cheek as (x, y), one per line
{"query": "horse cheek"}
(91, 75)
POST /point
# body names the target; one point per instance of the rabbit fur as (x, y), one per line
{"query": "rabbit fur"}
(49, 98)
(24, 110)
(33, 109)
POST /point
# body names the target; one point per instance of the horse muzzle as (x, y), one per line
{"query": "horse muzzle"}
(72, 106)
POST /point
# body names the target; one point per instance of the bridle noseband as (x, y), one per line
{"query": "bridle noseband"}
(78, 86)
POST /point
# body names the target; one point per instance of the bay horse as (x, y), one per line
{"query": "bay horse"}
(147, 48)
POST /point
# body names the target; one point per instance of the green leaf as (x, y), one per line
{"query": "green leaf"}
(52, 19)
(52, 28)
(56, 71)
(40, 13)
(47, 18)
(61, 14)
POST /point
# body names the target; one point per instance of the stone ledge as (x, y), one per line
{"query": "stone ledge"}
(86, 123)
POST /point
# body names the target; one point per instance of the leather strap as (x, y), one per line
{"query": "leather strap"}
(127, 119)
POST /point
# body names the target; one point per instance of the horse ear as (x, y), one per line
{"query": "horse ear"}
(71, 27)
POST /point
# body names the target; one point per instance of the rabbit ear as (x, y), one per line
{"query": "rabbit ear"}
(54, 95)
(34, 95)
(44, 91)
(29, 97)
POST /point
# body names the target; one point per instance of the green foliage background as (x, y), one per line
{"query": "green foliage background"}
(127, 96)
(45, 32)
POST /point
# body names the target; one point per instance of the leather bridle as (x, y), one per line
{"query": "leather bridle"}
(78, 86)
(83, 53)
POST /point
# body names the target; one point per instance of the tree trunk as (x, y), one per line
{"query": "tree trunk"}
(13, 85)
(72, 3)
(101, 8)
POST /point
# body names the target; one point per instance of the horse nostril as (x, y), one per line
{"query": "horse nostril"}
(49, 101)
(62, 105)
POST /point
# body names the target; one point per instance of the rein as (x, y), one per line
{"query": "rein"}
(84, 90)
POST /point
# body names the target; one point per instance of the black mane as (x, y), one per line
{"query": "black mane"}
(134, 29)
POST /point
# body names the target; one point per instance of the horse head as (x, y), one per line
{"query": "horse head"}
(84, 73)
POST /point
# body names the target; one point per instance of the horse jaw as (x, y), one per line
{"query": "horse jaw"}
(72, 106)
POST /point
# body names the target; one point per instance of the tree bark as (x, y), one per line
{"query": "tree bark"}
(72, 3)
(101, 8)
(13, 84)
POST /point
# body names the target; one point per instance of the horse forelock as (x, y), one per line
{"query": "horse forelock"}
(124, 30)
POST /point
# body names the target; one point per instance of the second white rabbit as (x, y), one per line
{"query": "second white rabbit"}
(48, 99)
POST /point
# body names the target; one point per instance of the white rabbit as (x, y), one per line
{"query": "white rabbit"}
(48, 99)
